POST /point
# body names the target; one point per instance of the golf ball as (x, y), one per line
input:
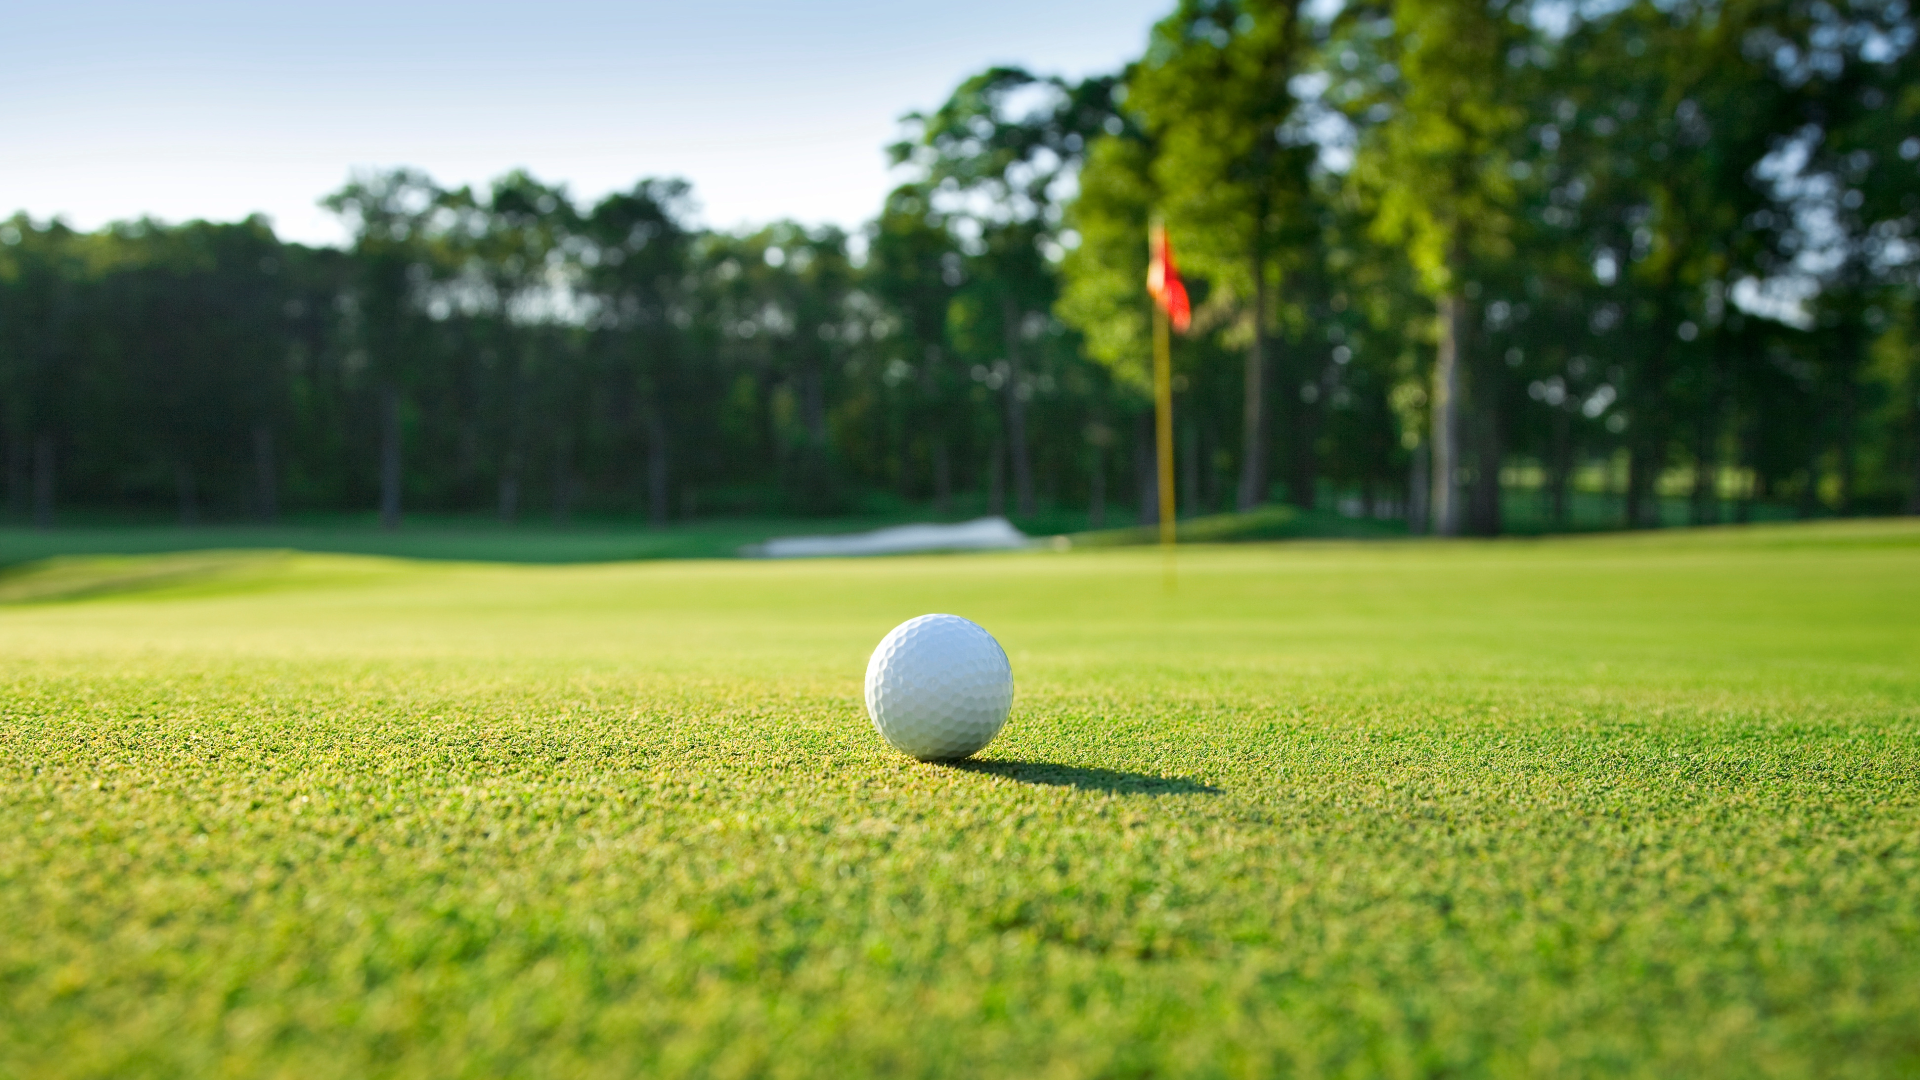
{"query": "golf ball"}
(939, 688)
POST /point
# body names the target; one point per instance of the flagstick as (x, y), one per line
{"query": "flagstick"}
(1163, 431)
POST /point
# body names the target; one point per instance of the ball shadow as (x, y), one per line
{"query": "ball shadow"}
(1112, 781)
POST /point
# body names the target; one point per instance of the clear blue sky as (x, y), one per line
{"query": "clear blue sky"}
(771, 108)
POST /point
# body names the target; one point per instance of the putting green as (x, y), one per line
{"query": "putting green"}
(1637, 806)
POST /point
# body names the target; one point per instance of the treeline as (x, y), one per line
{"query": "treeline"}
(1451, 261)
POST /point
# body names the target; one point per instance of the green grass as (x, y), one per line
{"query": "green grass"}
(470, 539)
(1641, 806)
(1265, 523)
(422, 537)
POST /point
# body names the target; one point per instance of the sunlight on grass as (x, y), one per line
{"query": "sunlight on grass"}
(1542, 808)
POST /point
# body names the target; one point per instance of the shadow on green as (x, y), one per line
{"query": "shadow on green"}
(1111, 781)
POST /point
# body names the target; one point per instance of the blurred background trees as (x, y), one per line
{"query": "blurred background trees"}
(1470, 266)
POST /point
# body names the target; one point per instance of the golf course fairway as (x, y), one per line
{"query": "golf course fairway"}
(1633, 806)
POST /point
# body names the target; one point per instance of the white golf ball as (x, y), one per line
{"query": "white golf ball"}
(939, 688)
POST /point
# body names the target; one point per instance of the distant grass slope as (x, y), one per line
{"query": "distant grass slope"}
(1265, 523)
(485, 541)
(465, 540)
(1643, 806)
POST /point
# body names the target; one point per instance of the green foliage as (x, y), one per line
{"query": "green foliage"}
(995, 162)
(1104, 290)
(1440, 163)
(1214, 92)
(1638, 806)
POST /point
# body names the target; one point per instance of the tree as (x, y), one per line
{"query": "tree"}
(915, 268)
(1846, 179)
(504, 258)
(636, 267)
(1439, 166)
(1231, 169)
(392, 215)
(40, 346)
(998, 158)
(1103, 293)
(1660, 123)
(191, 330)
(780, 300)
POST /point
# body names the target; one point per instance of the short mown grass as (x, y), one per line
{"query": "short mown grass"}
(1643, 806)
(421, 537)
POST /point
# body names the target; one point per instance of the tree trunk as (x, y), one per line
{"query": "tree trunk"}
(656, 468)
(1190, 468)
(942, 477)
(764, 387)
(1097, 489)
(1618, 479)
(1417, 489)
(1706, 471)
(390, 457)
(1642, 507)
(1303, 403)
(1844, 446)
(1253, 455)
(1809, 501)
(1750, 458)
(183, 491)
(562, 480)
(1017, 412)
(1017, 454)
(19, 474)
(1706, 453)
(1913, 448)
(1489, 451)
(43, 480)
(816, 480)
(1810, 491)
(266, 491)
(1445, 497)
(996, 478)
(1146, 470)
(509, 495)
(813, 404)
(467, 464)
(1209, 475)
(1562, 473)
(1647, 440)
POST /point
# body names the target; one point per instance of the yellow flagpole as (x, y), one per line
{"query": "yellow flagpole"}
(1163, 421)
(1162, 393)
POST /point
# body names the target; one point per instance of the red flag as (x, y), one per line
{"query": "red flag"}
(1163, 280)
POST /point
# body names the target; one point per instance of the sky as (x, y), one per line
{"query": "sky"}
(772, 109)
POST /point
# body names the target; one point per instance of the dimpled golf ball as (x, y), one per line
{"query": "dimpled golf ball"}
(939, 688)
